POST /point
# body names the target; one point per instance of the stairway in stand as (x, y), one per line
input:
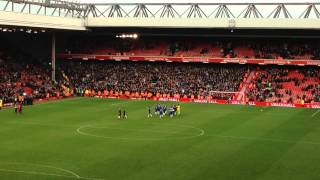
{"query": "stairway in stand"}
(66, 85)
(244, 85)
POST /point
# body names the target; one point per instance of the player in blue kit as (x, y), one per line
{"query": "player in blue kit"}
(157, 109)
(161, 112)
(171, 111)
(164, 109)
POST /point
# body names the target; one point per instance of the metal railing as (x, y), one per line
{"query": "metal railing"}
(163, 10)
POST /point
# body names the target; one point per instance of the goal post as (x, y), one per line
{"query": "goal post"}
(226, 95)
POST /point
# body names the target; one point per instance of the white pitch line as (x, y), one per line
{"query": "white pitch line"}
(120, 103)
(46, 166)
(46, 174)
(58, 100)
(72, 174)
(201, 133)
(143, 130)
(315, 113)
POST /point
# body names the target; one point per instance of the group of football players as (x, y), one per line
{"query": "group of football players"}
(162, 110)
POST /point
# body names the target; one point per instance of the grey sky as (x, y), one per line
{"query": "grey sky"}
(295, 11)
(266, 10)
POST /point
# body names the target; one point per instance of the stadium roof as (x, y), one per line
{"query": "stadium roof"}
(191, 1)
(173, 8)
(142, 13)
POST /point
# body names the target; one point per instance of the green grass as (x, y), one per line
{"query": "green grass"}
(82, 138)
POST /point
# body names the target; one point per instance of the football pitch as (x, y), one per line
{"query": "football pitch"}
(81, 138)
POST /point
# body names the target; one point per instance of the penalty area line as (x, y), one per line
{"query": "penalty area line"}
(315, 113)
(120, 103)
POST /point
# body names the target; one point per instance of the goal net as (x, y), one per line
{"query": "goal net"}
(230, 96)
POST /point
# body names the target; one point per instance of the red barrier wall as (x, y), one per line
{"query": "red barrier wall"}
(300, 62)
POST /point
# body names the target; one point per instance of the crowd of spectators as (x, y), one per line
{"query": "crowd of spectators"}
(164, 78)
(270, 83)
(209, 47)
(286, 85)
(19, 78)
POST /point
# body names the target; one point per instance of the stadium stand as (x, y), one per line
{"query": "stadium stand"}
(286, 85)
(19, 75)
(157, 78)
(269, 84)
(198, 47)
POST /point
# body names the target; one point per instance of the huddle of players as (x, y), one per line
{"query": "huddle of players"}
(162, 110)
(122, 114)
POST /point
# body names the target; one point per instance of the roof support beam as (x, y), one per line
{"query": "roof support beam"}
(251, 11)
(222, 11)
